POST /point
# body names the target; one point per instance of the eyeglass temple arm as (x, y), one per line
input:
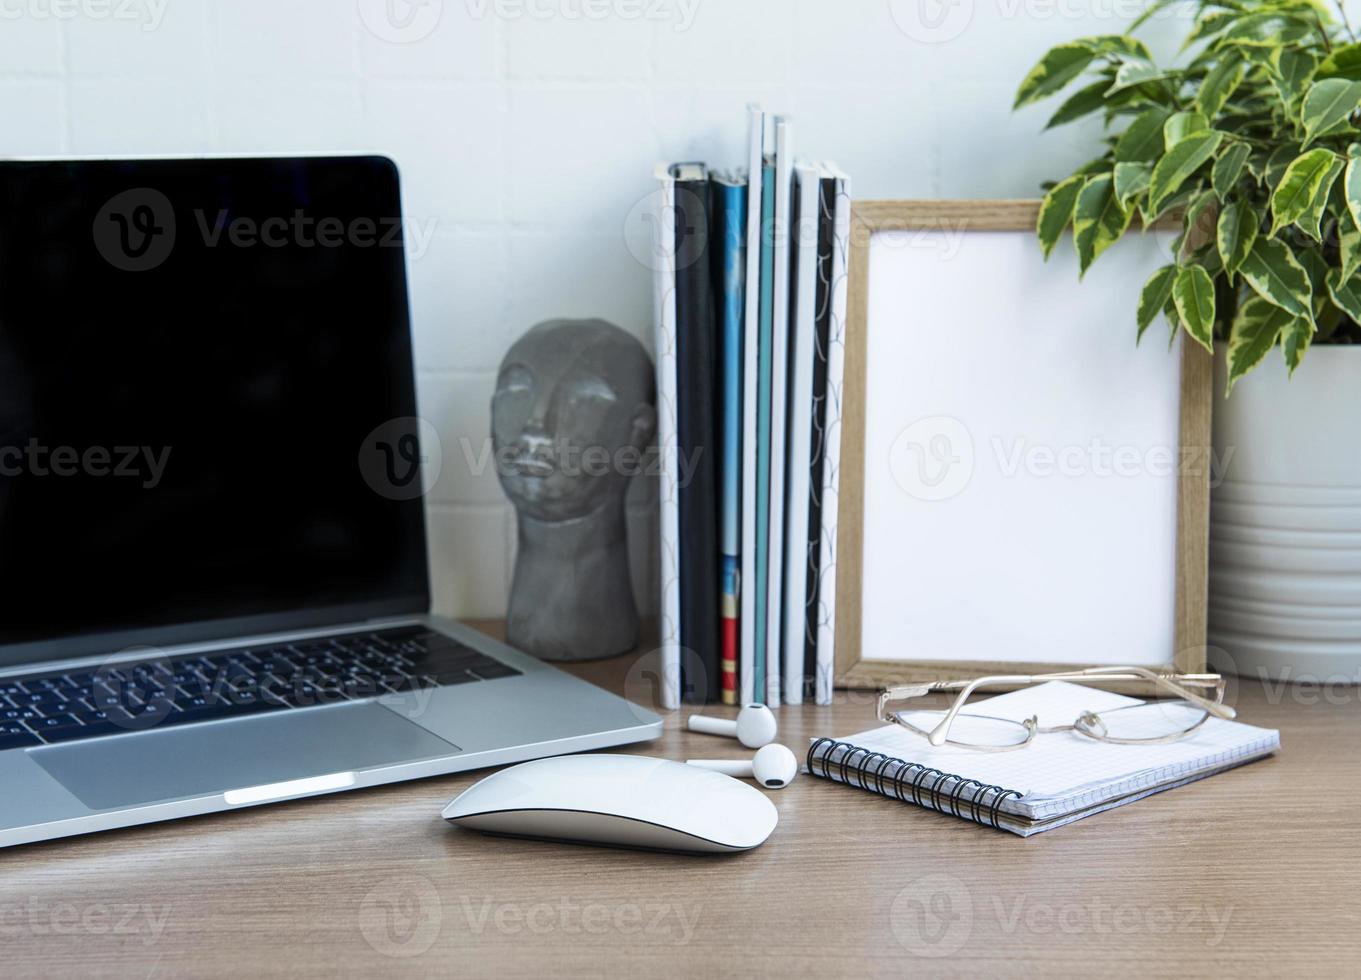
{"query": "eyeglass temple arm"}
(941, 732)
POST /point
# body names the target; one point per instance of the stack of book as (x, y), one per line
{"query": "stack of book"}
(750, 310)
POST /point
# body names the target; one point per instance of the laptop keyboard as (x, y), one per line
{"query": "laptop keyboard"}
(49, 709)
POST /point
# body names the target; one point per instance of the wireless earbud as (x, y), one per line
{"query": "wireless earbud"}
(754, 727)
(774, 766)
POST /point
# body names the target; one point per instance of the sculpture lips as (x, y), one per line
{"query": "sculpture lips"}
(531, 466)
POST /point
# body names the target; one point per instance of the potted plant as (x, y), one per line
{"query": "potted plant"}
(1251, 139)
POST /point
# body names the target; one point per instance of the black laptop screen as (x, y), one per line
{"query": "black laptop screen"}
(204, 365)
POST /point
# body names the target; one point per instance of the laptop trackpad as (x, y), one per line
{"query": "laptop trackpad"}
(210, 759)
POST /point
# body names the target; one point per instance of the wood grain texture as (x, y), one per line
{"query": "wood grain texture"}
(1250, 873)
(853, 670)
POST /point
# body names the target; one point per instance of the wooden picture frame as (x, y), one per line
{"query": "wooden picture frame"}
(1192, 491)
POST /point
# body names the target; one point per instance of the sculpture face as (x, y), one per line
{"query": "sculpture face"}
(571, 417)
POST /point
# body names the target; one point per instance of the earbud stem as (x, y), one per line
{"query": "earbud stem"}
(729, 767)
(713, 726)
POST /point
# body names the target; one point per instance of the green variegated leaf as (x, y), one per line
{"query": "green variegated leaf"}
(1346, 293)
(1209, 25)
(1280, 158)
(1056, 212)
(1228, 168)
(1180, 125)
(1135, 73)
(1266, 30)
(1156, 294)
(1178, 163)
(1056, 69)
(1328, 103)
(1343, 62)
(1311, 222)
(1253, 334)
(1131, 179)
(1219, 84)
(1296, 338)
(1291, 70)
(1116, 44)
(1194, 294)
(1299, 184)
(1142, 141)
(1351, 188)
(1081, 103)
(1098, 221)
(1348, 246)
(1235, 234)
(1277, 277)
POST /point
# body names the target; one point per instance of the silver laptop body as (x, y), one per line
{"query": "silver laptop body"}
(144, 677)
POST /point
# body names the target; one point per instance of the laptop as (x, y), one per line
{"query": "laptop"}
(214, 586)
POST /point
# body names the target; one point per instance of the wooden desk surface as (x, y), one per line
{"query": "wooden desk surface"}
(1254, 872)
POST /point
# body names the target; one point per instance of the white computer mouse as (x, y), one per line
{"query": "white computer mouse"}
(618, 800)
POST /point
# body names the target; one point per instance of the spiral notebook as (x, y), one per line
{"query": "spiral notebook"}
(1058, 778)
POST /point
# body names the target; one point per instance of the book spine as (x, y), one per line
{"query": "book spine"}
(760, 586)
(733, 273)
(821, 688)
(831, 464)
(779, 422)
(664, 339)
(908, 782)
(697, 439)
(798, 472)
(750, 374)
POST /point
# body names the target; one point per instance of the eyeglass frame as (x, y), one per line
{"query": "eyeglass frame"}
(1175, 683)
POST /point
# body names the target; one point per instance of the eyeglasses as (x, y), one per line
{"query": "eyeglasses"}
(1141, 724)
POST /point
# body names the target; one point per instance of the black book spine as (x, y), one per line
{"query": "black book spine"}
(696, 424)
(818, 443)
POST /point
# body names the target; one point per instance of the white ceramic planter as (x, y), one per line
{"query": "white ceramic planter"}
(1285, 522)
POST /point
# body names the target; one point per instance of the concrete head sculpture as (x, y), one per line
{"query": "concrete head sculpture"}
(572, 417)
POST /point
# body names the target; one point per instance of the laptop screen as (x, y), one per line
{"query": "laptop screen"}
(206, 399)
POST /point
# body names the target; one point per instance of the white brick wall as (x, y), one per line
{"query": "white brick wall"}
(526, 131)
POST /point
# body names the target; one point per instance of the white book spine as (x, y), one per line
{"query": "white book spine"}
(750, 382)
(802, 342)
(664, 315)
(831, 464)
(784, 182)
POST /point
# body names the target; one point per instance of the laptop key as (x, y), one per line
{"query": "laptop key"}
(20, 740)
(53, 721)
(70, 733)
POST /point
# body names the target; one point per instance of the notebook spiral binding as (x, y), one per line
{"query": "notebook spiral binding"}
(894, 778)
